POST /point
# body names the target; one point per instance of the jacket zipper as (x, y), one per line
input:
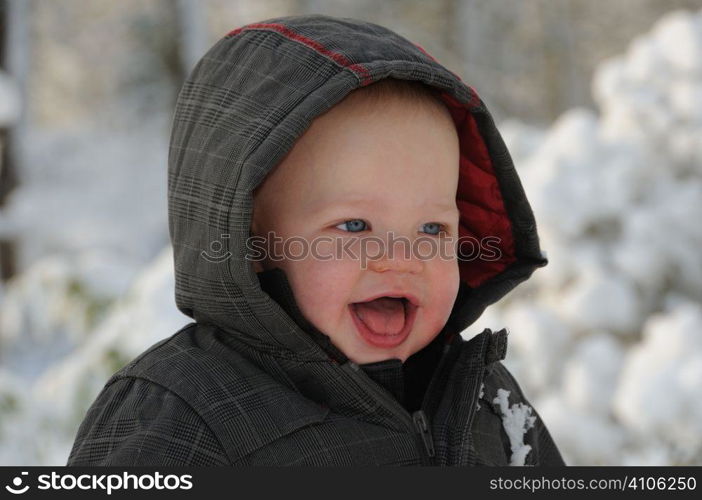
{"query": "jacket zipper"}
(416, 422)
(419, 418)
(420, 421)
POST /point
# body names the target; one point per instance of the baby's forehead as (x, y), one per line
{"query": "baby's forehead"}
(370, 144)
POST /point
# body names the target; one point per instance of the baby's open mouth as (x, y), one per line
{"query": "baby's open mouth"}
(385, 321)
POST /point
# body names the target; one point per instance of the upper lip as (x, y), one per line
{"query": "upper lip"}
(395, 294)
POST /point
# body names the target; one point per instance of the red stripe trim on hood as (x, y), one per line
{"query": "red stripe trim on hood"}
(362, 72)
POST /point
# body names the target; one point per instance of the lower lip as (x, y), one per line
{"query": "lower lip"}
(384, 341)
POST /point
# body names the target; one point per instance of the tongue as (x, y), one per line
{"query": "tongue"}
(384, 316)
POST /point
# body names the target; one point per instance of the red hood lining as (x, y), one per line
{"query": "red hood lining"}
(479, 200)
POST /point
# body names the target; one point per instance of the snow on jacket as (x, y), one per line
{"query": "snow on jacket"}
(250, 382)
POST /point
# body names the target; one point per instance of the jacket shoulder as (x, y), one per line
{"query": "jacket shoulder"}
(137, 422)
(502, 402)
(195, 386)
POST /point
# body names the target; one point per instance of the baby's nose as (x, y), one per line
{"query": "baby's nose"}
(398, 260)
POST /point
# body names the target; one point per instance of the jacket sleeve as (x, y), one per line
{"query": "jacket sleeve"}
(137, 422)
(544, 451)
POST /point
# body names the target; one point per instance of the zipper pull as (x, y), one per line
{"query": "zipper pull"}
(420, 422)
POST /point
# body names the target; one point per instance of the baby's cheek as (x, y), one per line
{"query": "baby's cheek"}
(445, 280)
(322, 290)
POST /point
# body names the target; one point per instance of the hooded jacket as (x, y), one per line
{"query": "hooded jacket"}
(250, 381)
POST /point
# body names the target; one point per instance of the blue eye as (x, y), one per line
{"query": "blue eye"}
(358, 225)
(353, 225)
(435, 228)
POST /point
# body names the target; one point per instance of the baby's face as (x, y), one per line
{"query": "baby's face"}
(359, 175)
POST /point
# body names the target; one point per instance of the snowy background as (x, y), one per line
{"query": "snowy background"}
(606, 341)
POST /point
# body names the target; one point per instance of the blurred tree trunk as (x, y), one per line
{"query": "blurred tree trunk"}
(14, 60)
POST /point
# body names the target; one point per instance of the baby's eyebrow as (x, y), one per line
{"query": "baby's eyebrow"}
(445, 208)
(333, 204)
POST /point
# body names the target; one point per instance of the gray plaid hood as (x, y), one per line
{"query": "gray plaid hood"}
(247, 101)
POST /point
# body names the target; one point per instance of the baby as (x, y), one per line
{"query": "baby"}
(341, 209)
